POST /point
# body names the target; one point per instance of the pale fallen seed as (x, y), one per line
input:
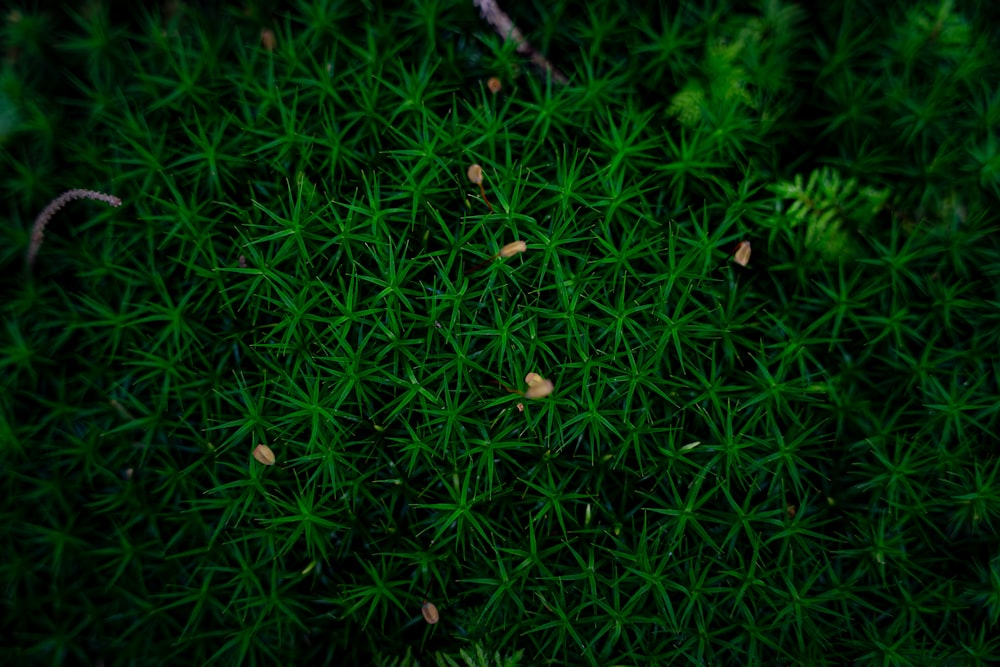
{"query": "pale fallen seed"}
(494, 85)
(264, 455)
(430, 612)
(475, 174)
(512, 249)
(531, 379)
(268, 39)
(742, 254)
(540, 389)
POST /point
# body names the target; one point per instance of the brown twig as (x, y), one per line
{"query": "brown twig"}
(490, 10)
(38, 229)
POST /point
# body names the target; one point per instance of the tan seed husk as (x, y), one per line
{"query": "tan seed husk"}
(531, 379)
(513, 248)
(264, 455)
(538, 387)
(475, 174)
(541, 390)
(430, 612)
(268, 39)
(742, 254)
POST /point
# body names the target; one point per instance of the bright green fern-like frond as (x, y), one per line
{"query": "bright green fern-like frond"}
(829, 207)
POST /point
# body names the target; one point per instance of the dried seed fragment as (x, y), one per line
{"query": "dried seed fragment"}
(475, 174)
(267, 39)
(540, 390)
(742, 254)
(512, 249)
(538, 387)
(430, 612)
(264, 455)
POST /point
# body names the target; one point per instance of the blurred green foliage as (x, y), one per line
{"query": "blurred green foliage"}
(789, 463)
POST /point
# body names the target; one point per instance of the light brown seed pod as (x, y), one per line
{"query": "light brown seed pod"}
(267, 39)
(538, 387)
(494, 85)
(264, 455)
(742, 254)
(540, 390)
(475, 174)
(430, 612)
(531, 379)
(508, 250)
(512, 249)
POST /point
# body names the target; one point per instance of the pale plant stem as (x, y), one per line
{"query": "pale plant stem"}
(490, 10)
(38, 229)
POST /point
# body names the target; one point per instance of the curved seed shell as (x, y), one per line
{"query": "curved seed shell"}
(531, 379)
(540, 389)
(475, 174)
(430, 612)
(742, 254)
(264, 455)
(513, 248)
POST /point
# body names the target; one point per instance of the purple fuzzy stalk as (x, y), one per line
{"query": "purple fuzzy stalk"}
(38, 229)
